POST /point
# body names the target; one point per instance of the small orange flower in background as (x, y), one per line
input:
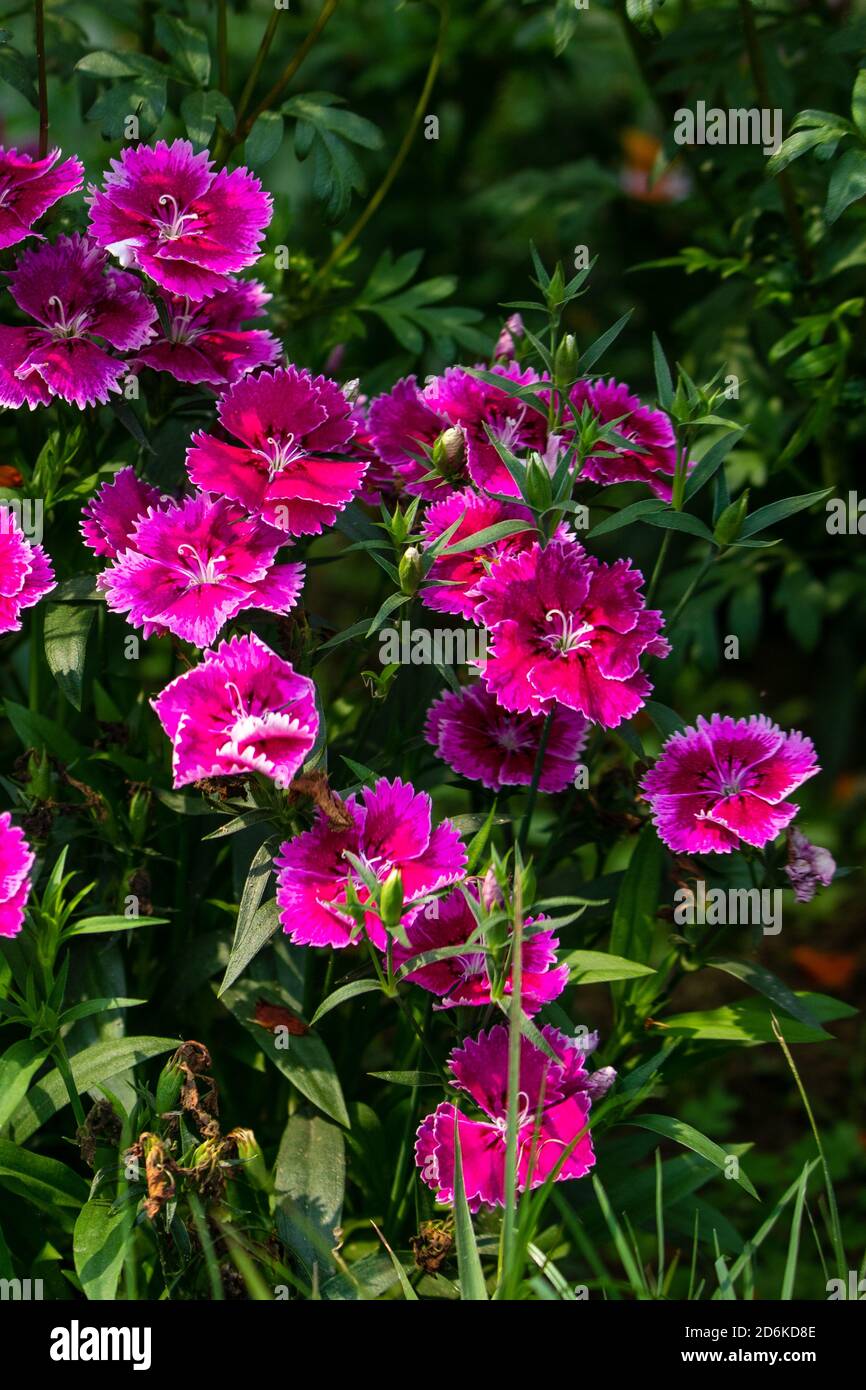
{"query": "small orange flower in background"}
(9, 476)
(642, 151)
(832, 969)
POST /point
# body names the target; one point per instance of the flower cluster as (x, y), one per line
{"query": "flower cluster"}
(570, 639)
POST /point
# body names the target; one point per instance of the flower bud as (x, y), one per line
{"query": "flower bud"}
(449, 452)
(730, 523)
(391, 899)
(491, 893)
(410, 570)
(566, 362)
(169, 1087)
(539, 492)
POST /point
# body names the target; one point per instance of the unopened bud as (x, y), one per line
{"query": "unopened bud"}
(730, 523)
(449, 452)
(391, 899)
(169, 1087)
(565, 362)
(539, 492)
(491, 893)
(410, 570)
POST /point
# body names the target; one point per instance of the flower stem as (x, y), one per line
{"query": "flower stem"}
(515, 1018)
(536, 778)
(397, 162)
(252, 79)
(289, 70)
(223, 46)
(42, 78)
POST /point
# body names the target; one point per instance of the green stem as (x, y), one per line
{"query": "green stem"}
(397, 162)
(536, 778)
(289, 70)
(42, 78)
(37, 631)
(509, 1219)
(252, 79)
(659, 565)
(223, 46)
(708, 560)
(63, 1066)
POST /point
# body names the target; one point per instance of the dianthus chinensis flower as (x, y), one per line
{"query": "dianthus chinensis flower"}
(109, 518)
(555, 1101)
(242, 709)
(391, 829)
(652, 453)
(565, 628)
(79, 302)
(29, 187)
(451, 579)
(16, 861)
(488, 744)
(465, 978)
(286, 421)
(163, 210)
(206, 343)
(26, 575)
(725, 782)
(192, 565)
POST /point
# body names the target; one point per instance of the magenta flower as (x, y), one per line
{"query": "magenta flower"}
(724, 783)
(511, 329)
(206, 342)
(79, 303)
(563, 627)
(478, 407)
(163, 210)
(16, 861)
(808, 866)
(652, 457)
(29, 187)
(488, 744)
(464, 978)
(109, 518)
(242, 709)
(194, 564)
(403, 431)
(286, 421)
(555, 1101)
(26, 575)
(451, 579)
(391, 829)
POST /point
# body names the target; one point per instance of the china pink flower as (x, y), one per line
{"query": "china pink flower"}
(725, 782)
(452, 579)
(481, 409)
(403, 431)
(16, 861)
(808, 866)
(481, 740)
(287, 422)
(109, 518)
(242, 709)
(29, 187)
(391, 829)
(164, 210)
(465, 978)
(652, 455)
(79, 303)
(565, 628)
(192, 565)
(206, 343)
(555, 1101)
(26, 575)
(511, 329)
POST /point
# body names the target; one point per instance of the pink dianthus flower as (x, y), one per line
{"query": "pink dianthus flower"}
(16, 861)
(26, 575)
(652, 455)
(29, 187)
(109, 518)
(206, 343)
(481, 740)
(451, 579)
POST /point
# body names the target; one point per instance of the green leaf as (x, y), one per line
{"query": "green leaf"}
(96, 926)
(407, 1078)
(89, 1067)
(306, 1062)
(710, 462)
(472, 1286)
(36, 731)
(634, 915)
(670, 520)
(667, 721)
(636, 511)
(39, 1179)
(589, 358)
(143, 97)
(325, 131)
(256, 922)
(120, 64)
(309, 1185)
(847, 183)
(264, 139)
(779, 511)
(99, 1244)
(18, 72)
(664, 382)
(66, 647)
(749, 1021)
(766, 983)
(18, 1066)
(187, 46)
(681, 1133)
(339, 996)
(594, 967)
(201, 111)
